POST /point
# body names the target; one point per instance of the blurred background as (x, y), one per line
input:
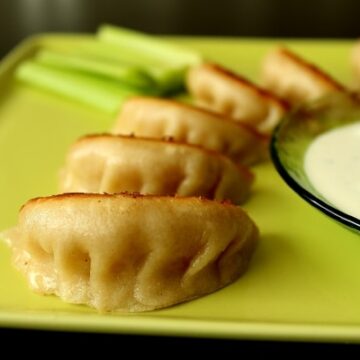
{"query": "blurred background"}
(252, 18)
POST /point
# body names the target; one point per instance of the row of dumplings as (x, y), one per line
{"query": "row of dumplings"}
(166, 147)
(113, 250)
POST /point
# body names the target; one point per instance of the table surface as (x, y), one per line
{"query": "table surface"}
(126, 344)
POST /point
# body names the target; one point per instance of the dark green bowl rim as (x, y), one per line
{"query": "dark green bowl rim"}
(334, 213)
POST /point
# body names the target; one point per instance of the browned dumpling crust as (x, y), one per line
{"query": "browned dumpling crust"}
(355, 63)
(159, 118)
(130, 253)
(218, 89)
(116, 163)
(294, 79)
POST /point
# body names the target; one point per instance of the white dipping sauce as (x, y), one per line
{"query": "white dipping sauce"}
(332, 164)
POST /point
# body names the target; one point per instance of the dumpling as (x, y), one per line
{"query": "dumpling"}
(355, 62)
(294, 79)
(216, 88)
(130, 252)
(116, 163)
(159, 118)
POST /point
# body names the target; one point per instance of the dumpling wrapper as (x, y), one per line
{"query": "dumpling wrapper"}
(218, 89)
(159, 118)
(294, 79)
(355, 62)
(116, 163)
(130, 252)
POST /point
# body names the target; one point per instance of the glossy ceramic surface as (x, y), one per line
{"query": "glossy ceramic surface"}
(304, 280)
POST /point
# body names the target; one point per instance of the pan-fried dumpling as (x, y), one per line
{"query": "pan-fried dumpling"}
(130, 252)
(159, 118)
(355, 62)
(294, 79)
(223, 91)
(115, 163)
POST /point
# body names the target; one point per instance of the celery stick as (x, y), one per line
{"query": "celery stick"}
(165, 62)
(167, 77)
(85, 89)
(120, 72)
(136, 42)
(112, 53)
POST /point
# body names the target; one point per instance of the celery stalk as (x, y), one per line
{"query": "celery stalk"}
(86, 89)
(165, 62)
(123, 73)
(112, 53)
(165, 78)
(139, 43)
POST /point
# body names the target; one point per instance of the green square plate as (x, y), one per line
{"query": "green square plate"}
(304, 280)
